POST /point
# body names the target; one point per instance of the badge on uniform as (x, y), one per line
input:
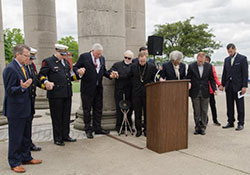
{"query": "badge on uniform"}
(56, 68)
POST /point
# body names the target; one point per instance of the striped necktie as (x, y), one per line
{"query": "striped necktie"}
(24, 71)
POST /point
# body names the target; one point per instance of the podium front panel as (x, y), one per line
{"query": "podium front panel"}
(167, 116)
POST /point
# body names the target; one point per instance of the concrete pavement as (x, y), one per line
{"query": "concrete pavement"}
(220, 151)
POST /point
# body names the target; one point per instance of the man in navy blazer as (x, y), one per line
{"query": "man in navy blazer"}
(91, 68)
(235, 81)
(17, 108)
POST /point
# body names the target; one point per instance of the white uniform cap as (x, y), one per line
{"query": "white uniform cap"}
(61, 47)
(33, 51)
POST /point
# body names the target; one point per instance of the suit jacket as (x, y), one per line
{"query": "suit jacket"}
(139, 88)
(237, 73)
(168, 71)
(200, 83)
(91, 79)
(17, 101)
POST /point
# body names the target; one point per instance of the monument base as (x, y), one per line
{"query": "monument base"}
(3, 119)
(41, 103)
(108, 121)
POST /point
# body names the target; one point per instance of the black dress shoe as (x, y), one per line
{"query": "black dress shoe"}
(196, 132)
(102, 131)
(69, 139)
(59, 143)
(202, 132)
(89, 135)
(239, 128)
(35, 148)
(138, 133)
(217, 123)
(145, 133)
(228, 126)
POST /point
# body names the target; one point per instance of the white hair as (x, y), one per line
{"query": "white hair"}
(129, 52)
(96, 47)
(176, 55)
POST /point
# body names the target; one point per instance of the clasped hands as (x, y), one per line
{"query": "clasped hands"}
(114, 74)
(81, 71)
(49, 85)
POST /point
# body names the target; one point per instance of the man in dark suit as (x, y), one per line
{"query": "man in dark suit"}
(200, 73)
(17, 108)
(141, 73)
(31, 67)
(145, 51)
(174, 69)
(91, 68)
(56, 74)
(235, 81)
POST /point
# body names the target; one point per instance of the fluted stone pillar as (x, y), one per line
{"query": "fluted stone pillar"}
(102, 21)
(3, 119)
(40, 33)
(135, 25)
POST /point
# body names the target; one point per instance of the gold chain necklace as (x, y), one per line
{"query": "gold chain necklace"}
(143, 72)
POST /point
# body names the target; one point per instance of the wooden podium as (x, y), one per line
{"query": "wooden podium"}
(167, 115)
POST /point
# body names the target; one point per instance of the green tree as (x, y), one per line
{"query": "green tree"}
(187, 38)
(72, 44)
(11, 38)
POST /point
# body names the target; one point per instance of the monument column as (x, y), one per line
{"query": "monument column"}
(135, 25)
(102, 21)
(3, 119)
(40, 33)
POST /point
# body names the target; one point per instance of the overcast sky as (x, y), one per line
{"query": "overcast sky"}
(229, 19)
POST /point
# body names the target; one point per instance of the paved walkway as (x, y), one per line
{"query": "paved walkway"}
(219, 152)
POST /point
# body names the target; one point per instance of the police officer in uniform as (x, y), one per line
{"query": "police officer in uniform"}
(56, 74)
(31, 67)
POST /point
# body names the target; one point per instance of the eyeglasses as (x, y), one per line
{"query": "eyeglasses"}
(128, 58)
(32, 57)
(27, 56)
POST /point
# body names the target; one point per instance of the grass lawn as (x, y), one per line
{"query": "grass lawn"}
(76, 86)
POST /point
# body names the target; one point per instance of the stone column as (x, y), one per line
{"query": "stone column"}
(102, 21)
(135, 25)
(40, 33)
(3, 119)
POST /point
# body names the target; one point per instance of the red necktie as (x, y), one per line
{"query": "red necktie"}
(95, 63)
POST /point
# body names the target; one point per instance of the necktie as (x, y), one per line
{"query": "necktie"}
(24, 71)
(232, 61)
(95, 63)
(177, 73)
